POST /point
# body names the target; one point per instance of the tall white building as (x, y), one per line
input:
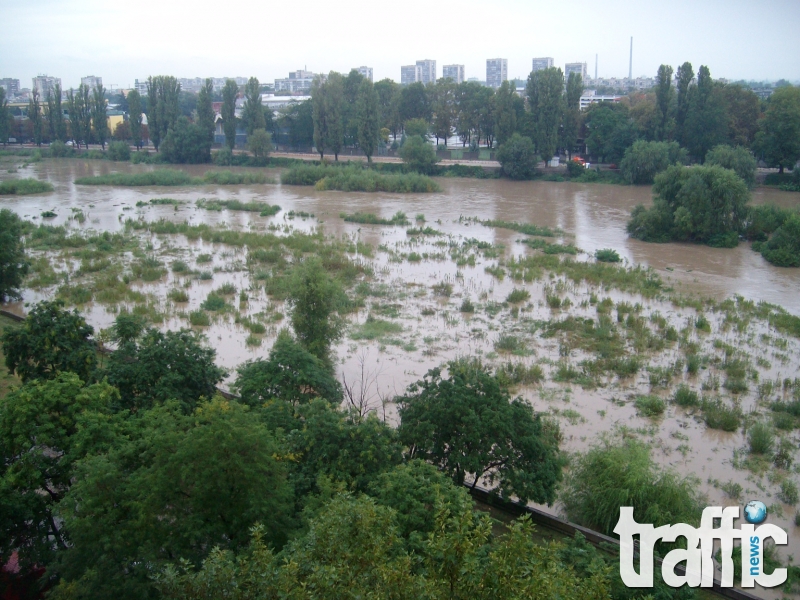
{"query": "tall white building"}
(427, 71)
(496, 71)
(410, 74)
(298, 82)
(578, 68)
(365, 72)
(540, 64)
(91, 81)
(454, 72)
(44, 84)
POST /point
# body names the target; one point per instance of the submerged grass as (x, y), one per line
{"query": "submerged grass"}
(24, 187)
(174, 177)
(399, 218)
(264, 209)
(354, 178)
(526, 228)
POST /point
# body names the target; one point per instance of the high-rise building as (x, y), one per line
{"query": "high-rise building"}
(454, 72)
(365, 72)
(11, 86)
(91, 81)
(578, 68)
(410, 74)
(496, 71)
(298, 82)
(427, 71)
(44, 84)
(539, 64)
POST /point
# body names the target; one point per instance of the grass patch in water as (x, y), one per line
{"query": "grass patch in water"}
(650, 406)
(399, 218)
(719, 415)
(174, 177)
(373, 329)
(548, 248)
(24, 187)
(526, 228)
(353, 178)
(263, 208)
(199, 318)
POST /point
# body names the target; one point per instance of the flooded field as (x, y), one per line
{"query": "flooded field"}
(605, 351)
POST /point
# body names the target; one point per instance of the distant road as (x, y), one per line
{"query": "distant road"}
(492, 164)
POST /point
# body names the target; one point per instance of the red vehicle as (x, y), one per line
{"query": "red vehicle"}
(579, 160)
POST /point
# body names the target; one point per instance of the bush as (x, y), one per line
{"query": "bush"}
(783, 247)
(223, 157)
(213, 302)
(699, 204)
(119, 151)
(761, 438)
(575, 169)
(418, 155)
(518, 295)
(789, 493)
(416, 127)
(765, 219)
(59, 149)
(718, 415)
(186, 143)
(650, 406)
(467, 306)
(739, 160)
(624, 474)
(644, 160)
(607, 255)
(518, 157)
(684, 396)
(24, 187)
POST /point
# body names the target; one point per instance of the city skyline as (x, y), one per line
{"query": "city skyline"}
(74, 38)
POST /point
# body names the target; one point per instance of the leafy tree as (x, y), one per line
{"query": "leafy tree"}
(163, 366)
(205, 109)
(253, 111)
(389, 105)
(610, 131)
(414, 103)
(572, 112)
(706, 121)
(229, 95)
(740, 160)
(135, 117)
(298, 118)
(644, 112)
(172, 485)
(329, 445)
(320, 115)
(444, 109)
(260, 144)
(418, 155)
(517, 157)
(470, 98)
(51, 340)
(744, 111)
(119, 151)
(291, 374)
(783, 247)
(418, 127)
(86, 114)
(13, 265)
(700, 204)
(99, 116)
(368, 118)
(644, 160)
(35, 115)
(186, 143)
(327, 99)
(122, 133)
(351, 85)
(505, 113)
(684, 76)
(779, 137)
(55, 114)
(163, 97)
(43, 432)
(313, 296)
(546, 104)
(5, 118)
(624, 474)
(468, 425)
(664, 99)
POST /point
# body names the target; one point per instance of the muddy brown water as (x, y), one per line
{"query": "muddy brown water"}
(433, 330)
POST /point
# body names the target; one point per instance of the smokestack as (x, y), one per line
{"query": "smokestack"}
(595, 66)
(630, 64)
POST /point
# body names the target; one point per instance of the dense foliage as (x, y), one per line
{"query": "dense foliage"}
(517, 157)
(644, 160)
(13, 265)
(698, 204)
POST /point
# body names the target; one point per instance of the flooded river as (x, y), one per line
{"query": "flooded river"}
(429, 328)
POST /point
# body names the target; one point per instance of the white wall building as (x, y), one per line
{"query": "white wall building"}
(539, 64)
(365, 72)
(454, 72)
(91, 81)
(578, 68)
(496, 71)
(44, 84)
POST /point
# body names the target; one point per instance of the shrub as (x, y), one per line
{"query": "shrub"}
(418, 155)
(442, 289)
(467, 306)
(684, 396)
(119, 151)
(650, 406)
(213, 302)
(644, 160)
(178, 295)
(761, 438)
(783, 247)
(718, 415)
(739, 160)
(607, 255)
(518, 295)
(199, 318)
(575, 169)
(789, 493)
(518, 157)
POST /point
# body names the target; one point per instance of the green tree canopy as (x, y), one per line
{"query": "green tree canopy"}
(572, 113)
(368, 118)
(505, 112)
(699, 204)
(135, 117)
(163, 109)
(172, 485)
(418, 155)
(415, 103)
(205, 110)
(610, 131)
(290, 373)
(186, 143)
(260, 144)
(739, 160)
(253, 111)
(36, 118)
(665, 95)
(546, 104)
(444, 109)
(779, 137)
(5, 118)
(13, 265)
(644, 160)
(229, 94)
(706, 123)
(468, 425)
(99, 115)
(163, 366)
(517, 157)
(389, 105)
(43, 430)
(51, 340)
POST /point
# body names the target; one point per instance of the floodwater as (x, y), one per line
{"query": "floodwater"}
(592, 216)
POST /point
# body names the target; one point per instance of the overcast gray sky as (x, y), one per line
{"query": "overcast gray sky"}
(124, 40)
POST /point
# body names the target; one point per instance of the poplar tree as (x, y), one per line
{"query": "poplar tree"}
(229, 94)
(205, 109)
(319, 115)
(35, 115)
(86, 113)
(546, 103)
(368, 118)
(664, 94)
(253, 111)
(99, 115)
(572, 112)
(5, 117)
(135, 117)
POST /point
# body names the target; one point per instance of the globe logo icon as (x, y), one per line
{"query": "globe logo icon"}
(755, 512)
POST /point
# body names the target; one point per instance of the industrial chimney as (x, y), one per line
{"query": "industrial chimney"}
(630, 64)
